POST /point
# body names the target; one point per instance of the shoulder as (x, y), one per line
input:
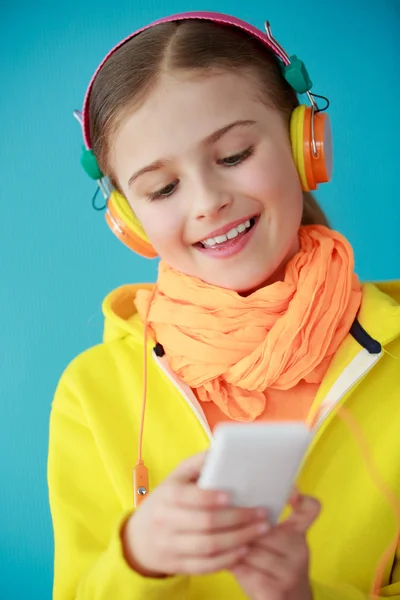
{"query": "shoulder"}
(102, 372)
(379, 312)
(391, 289)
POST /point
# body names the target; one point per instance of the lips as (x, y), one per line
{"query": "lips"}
(230, 237)
(227, 233)
(230, 247)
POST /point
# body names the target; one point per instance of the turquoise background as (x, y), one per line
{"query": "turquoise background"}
(58, 259)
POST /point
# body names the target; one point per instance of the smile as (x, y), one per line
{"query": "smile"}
(227, 244)
(230, 235)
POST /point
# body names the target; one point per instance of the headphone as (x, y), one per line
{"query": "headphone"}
(310, 132)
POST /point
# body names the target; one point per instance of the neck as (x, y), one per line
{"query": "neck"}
(279, 273)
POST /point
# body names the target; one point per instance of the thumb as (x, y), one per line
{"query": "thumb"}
(305, 510)
(189, 469)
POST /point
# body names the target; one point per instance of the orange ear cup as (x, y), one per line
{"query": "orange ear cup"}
(312, 169)
(318, 168)
(125, 225)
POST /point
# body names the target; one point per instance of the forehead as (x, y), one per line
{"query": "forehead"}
(182, 110)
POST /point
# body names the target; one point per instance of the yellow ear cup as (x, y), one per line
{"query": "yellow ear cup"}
(297, 142)
(126, 226)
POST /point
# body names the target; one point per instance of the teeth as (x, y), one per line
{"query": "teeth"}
(209, 242)
(219, 239)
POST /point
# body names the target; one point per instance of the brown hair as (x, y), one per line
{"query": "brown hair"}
(130, 74)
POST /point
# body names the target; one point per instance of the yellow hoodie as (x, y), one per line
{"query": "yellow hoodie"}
(93, 449)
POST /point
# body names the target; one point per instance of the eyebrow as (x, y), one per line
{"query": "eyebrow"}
(209, 140)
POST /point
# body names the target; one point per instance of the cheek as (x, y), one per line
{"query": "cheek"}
(274, 181)
(273, 177)
(281, 167)
(161, 224)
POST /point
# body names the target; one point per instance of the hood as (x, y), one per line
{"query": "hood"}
(121, 318)
(379, 313)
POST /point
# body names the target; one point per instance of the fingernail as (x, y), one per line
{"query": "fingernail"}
(243, 551)
(223, 499)
(261, 513)
(263, 527)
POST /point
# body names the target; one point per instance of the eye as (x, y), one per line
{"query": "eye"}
(164, 192)
(236, 159)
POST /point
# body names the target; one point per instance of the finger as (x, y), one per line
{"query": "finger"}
(202, 565)
(294, 497)
(213, 520)
(267, 562)
(253, 582)
(212, 544)
(189, 469)
(305, 509)
(188, 495)
(286, 544)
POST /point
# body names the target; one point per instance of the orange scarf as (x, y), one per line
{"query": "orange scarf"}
(231, 348)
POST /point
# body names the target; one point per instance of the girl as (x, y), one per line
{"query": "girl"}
(257, 315)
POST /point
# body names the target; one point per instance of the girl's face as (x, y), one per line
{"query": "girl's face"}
(207, 167)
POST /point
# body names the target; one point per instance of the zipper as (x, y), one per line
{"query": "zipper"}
(361, 364)
(186, 393)
(358, 368)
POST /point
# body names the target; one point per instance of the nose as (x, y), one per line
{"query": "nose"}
(210, 200)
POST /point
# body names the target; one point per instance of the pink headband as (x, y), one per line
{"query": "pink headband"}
(209, 16)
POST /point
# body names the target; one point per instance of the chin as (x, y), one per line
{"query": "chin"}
(245, 282)
(246, 290)
(244, 285)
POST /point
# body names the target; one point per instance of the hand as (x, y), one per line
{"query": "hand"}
(277, 566)
(180, 528)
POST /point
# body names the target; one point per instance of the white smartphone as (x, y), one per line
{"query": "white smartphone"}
(256, 463)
